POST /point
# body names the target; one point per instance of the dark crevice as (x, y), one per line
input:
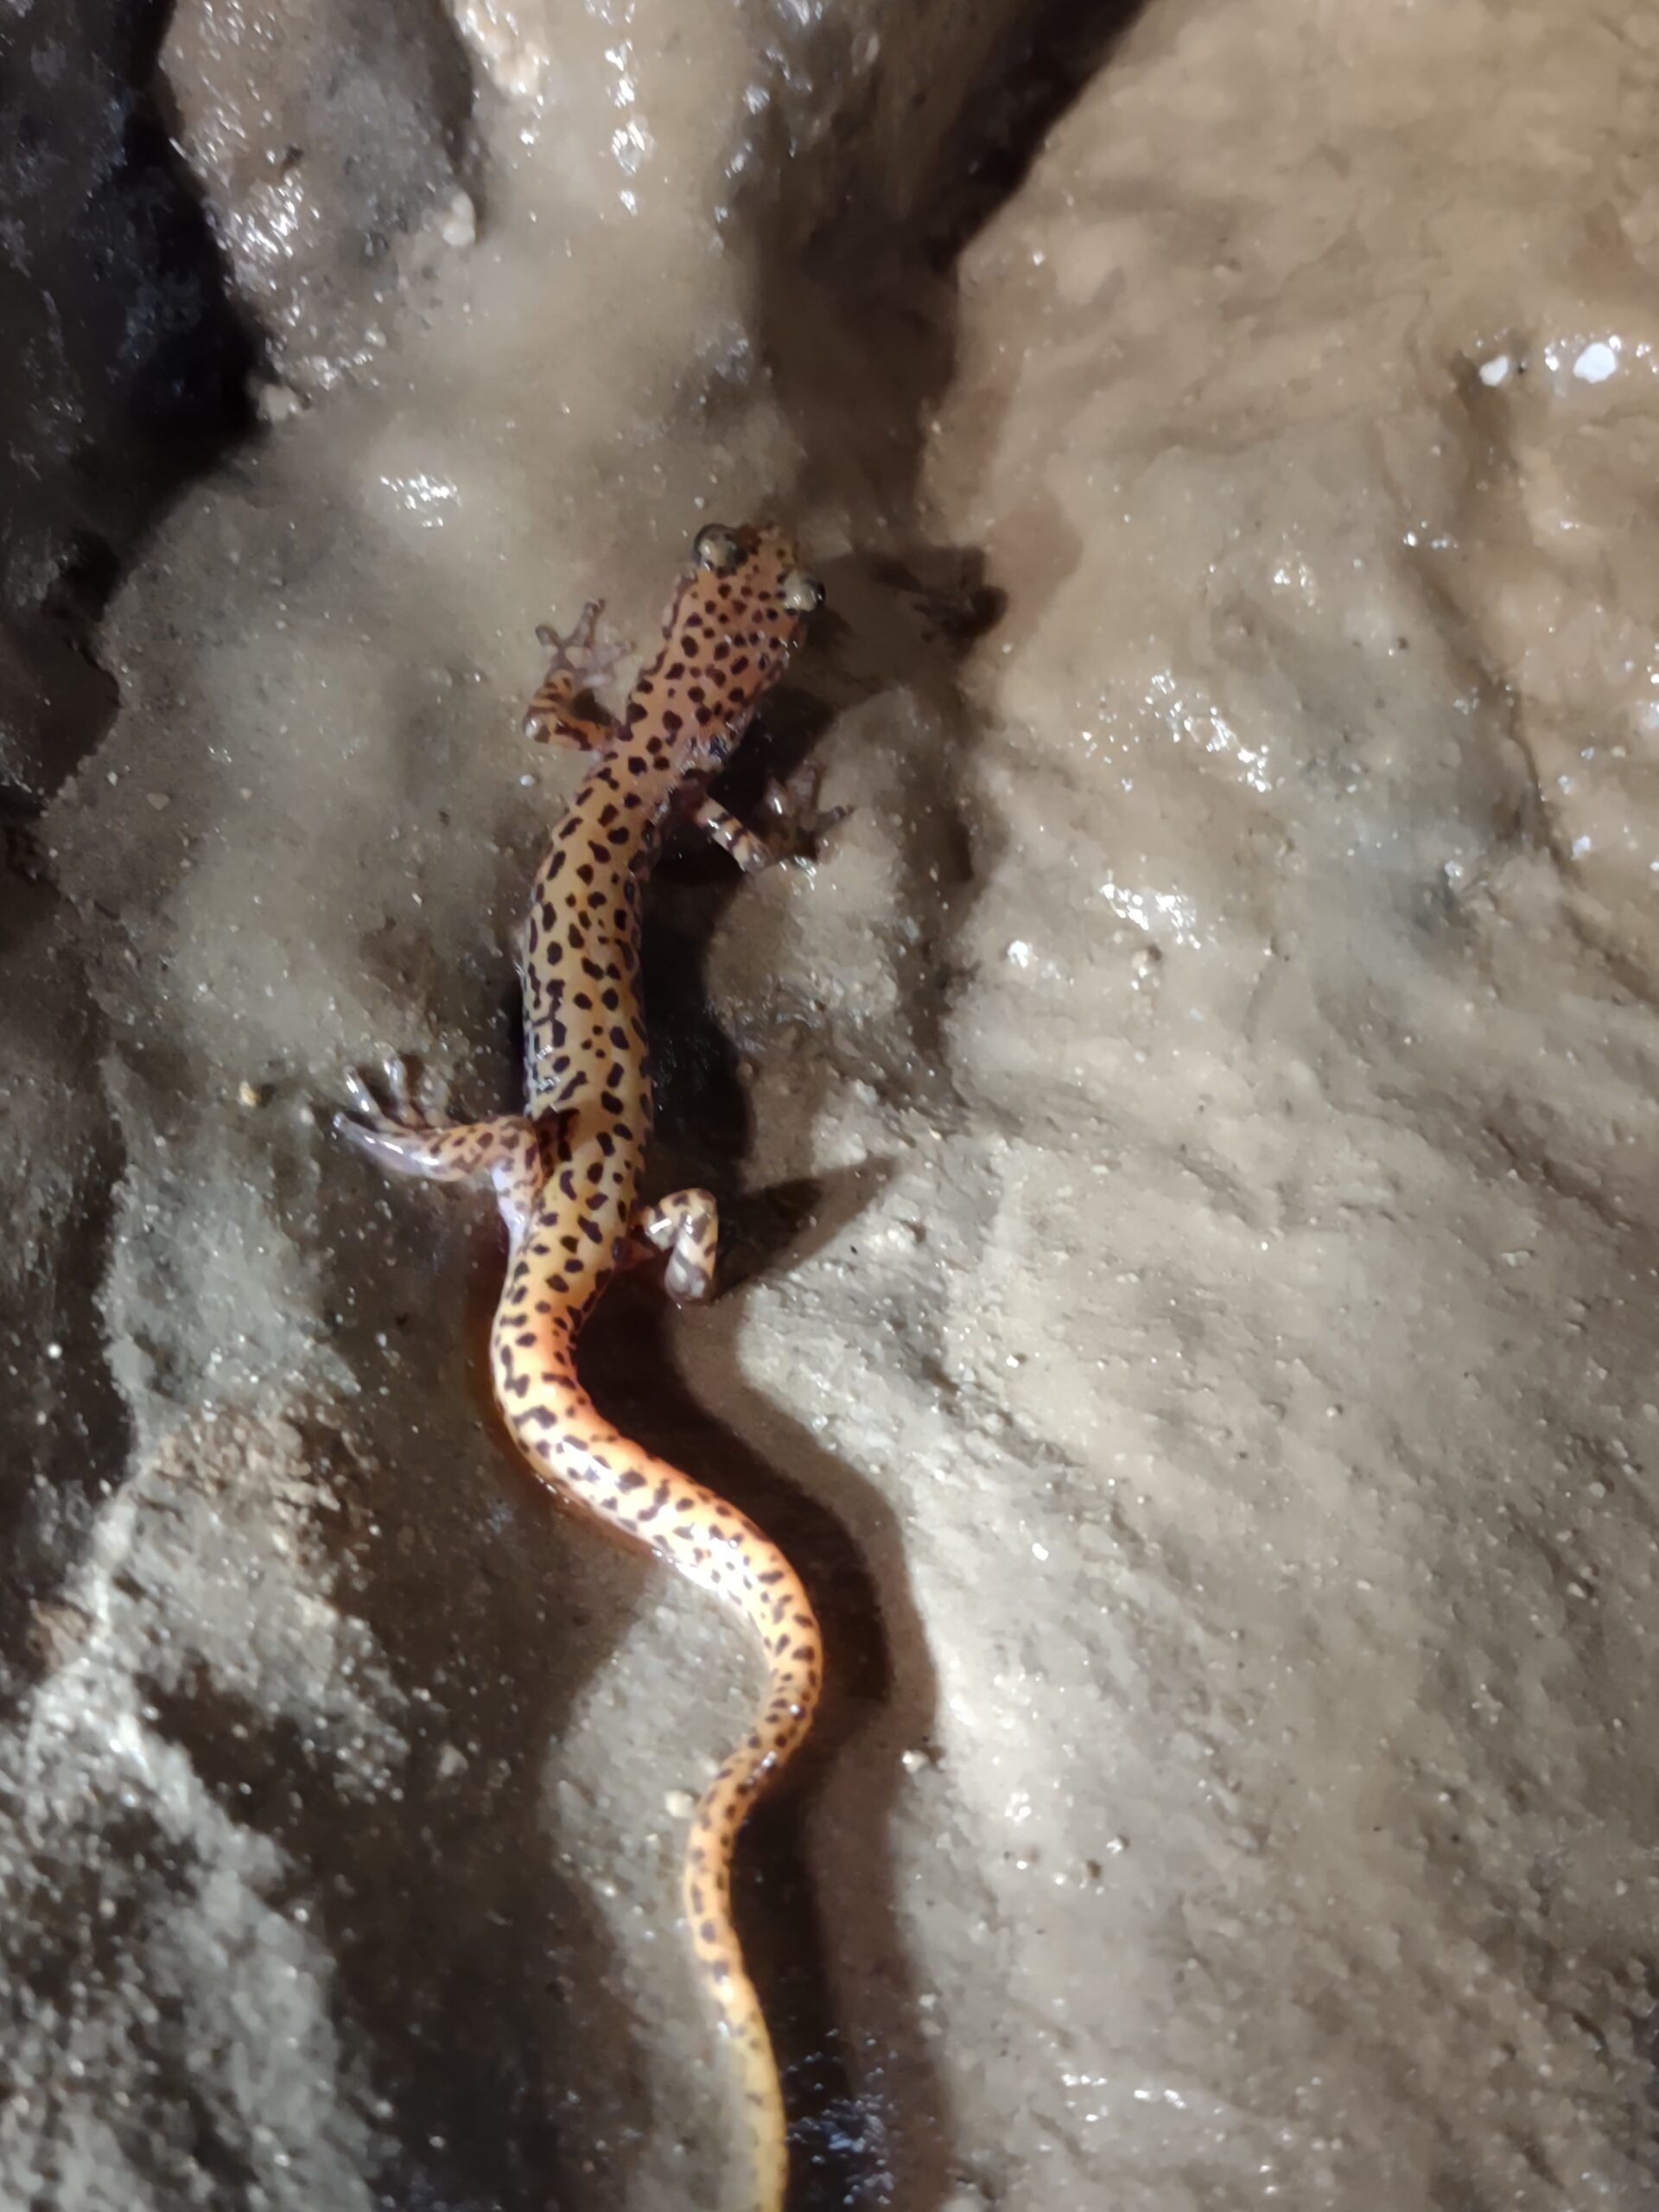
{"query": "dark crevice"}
(123, 376)
(1046, 59)
(64, 1429)
(125, 373)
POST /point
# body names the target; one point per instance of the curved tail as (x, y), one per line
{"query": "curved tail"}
(780, 1611)
(579, 1454)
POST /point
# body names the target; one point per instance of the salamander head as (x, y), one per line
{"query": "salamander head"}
(736, 621)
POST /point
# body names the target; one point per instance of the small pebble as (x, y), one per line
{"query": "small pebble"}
(275, 403)
(460, 225)
(679, 1804)
(1595, 364)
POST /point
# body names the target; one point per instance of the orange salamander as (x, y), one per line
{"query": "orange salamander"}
(567, 1171)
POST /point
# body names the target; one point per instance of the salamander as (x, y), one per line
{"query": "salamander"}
(567, 1174)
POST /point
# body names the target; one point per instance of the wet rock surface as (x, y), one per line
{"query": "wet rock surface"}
(1185, 1149)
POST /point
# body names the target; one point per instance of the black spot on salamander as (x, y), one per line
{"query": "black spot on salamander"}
(611, 1104)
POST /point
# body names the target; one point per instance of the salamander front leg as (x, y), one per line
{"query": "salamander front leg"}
(563, 710)
(687, 1227)
(792, 833)
(406, 1139)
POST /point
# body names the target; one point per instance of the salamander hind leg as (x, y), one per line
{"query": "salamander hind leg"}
(563, 712)
(687, 1227)
(406, 1139)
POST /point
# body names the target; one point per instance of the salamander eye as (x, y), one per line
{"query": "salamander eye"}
(800, 593)
(716, 548)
